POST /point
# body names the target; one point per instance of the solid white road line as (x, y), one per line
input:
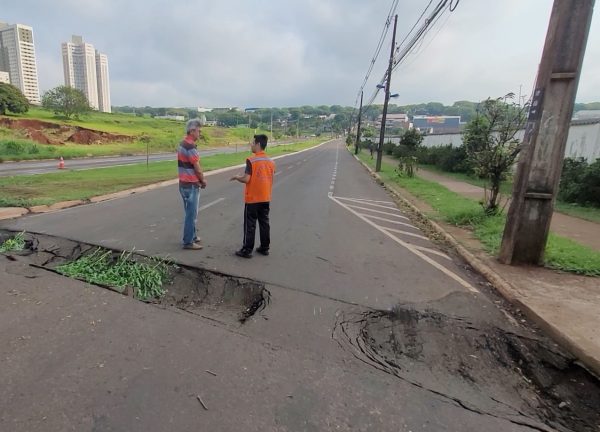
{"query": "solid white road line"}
(433, 251)
(205, 206)
(412, 249)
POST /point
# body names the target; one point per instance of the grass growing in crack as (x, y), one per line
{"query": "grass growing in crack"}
(17, 243)
(101, 267)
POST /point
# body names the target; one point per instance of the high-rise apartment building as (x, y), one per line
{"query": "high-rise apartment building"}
(17, 57)
(103, 85)
(87, 70)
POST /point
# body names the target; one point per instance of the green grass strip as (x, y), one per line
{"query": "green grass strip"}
(27, 191)
(560, 253)
(591, 214)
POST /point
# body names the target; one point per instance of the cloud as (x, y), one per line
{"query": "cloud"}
(297, 52)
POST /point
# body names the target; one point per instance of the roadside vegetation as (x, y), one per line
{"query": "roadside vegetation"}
(147, 279)
(17, 243)
(452, 208)
(66, 185)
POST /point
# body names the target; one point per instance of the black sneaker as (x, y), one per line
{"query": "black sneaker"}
(262, 251)
(244, 253)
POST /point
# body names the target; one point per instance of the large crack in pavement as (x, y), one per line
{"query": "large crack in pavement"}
(508, 373)
(217, 296)
(524, 379)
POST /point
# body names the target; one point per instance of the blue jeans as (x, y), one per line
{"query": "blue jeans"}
(190, 195)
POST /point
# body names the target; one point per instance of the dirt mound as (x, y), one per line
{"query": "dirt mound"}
(54, 133)
(39, 137)
(29, 124)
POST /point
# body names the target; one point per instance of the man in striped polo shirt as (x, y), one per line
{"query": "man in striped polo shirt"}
(191, 180)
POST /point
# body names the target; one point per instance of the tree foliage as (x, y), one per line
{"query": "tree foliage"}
(412, 139)
(66, 100)
(12, 100)
(491, 144)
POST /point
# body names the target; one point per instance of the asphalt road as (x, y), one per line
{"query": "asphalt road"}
(340, 246)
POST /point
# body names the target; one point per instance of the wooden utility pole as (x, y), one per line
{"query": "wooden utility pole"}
(541, 160)
(386, 99)
(357, 143)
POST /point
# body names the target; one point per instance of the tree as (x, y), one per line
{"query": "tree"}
(66, 100)
(491, 144)
(412, 139)
(11, 99)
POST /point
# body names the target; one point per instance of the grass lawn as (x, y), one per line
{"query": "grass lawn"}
(27, 191)
(561, 253)
(588, 213)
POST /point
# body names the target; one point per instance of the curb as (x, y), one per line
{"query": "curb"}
(505, 288)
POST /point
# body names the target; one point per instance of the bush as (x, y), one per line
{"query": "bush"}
(401, 151)
(388, 148)
(580, 182)
(33, 149)
(446, 158)
(13, 147)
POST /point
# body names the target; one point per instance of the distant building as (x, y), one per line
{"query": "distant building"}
(203, 110)
(436, 124)
(398, 120)
(86, 69)
(103, 82)
(17, 57)
(171, 117)
(4, 77)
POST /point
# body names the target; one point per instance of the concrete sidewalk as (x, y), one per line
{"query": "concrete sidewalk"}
(565, 306)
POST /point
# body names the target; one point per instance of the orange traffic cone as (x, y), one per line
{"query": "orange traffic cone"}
(61, 163)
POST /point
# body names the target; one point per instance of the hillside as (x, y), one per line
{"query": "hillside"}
(39, 134)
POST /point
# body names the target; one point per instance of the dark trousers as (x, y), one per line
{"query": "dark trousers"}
(252, 212)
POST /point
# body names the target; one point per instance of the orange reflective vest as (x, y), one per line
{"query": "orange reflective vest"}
(258, 188)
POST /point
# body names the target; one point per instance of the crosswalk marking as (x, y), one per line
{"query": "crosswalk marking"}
(419, 251)
(405, 233)
(377, 211)
(381, 219)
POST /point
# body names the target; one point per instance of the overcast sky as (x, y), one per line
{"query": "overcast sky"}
(263, 53)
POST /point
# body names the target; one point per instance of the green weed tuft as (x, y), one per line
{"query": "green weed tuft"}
(17, 243)
(100, 267)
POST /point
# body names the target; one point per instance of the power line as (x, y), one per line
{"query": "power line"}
(384, 32)
(400, 52)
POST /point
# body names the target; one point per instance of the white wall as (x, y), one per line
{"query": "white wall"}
(582, 141)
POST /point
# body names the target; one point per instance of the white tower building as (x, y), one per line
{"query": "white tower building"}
(79, 65)
(17, 57)
(103, 82)
(86, 69)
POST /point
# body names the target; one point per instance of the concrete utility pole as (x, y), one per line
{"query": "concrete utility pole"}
(541, 160)
(357, 143)
(386, 99)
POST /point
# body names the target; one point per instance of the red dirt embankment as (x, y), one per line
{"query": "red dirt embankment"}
(53, 133)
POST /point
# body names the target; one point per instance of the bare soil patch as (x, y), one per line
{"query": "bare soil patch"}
(55, 134)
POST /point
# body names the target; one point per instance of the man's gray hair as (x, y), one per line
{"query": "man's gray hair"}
(193, 124)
